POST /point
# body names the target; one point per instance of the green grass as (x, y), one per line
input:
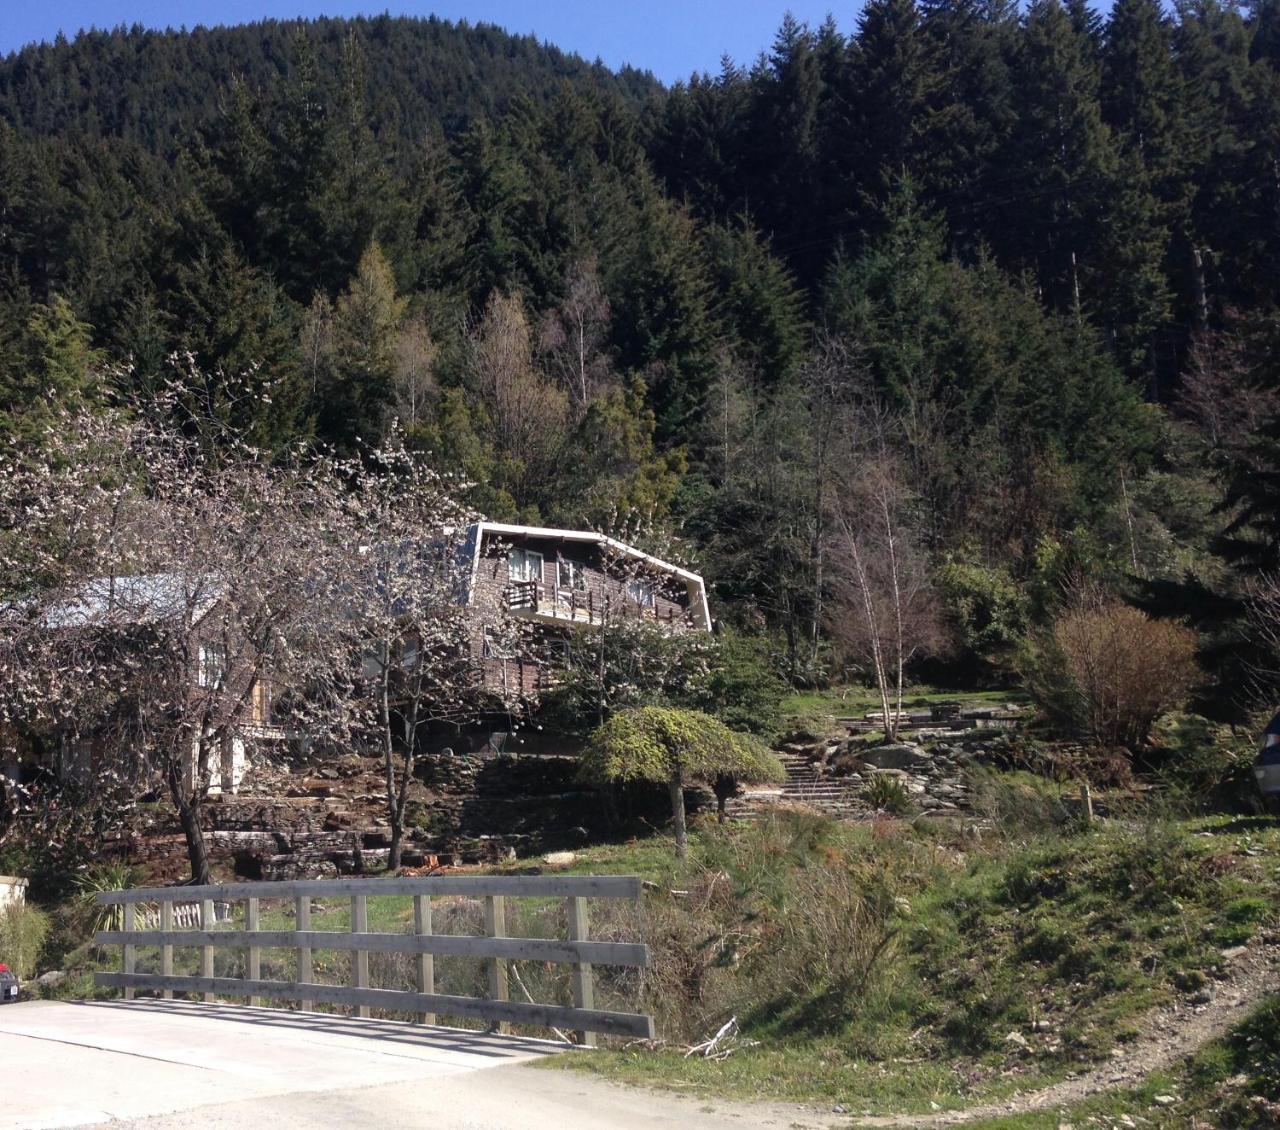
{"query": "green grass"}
(854, 701)
(1234, 1081)
(1067, 939)
(802, 1072)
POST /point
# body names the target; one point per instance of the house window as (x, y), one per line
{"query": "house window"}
(643, 593)
(212, 666)
(572, 575)
(524, 565)
(496, 646)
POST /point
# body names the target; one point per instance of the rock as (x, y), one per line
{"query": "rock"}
(1166, 1100)
(559, 858)
(901, 755)
(51, 979)
(1017, 1039)
(1234, 952)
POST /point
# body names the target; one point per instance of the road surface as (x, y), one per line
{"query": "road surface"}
(157, 1065)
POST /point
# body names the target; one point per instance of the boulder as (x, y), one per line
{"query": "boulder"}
(900, 755)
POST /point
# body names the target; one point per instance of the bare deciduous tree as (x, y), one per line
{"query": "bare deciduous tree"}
(1221, 396)
(400, 648)
(883, 609)
(572, 337)
(530, 414)
(180, 594)
(414, 353)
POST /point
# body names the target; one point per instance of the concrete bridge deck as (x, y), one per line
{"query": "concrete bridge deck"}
(165, 1065)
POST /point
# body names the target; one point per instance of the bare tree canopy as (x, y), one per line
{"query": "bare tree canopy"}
(156, 593)
(883, 611)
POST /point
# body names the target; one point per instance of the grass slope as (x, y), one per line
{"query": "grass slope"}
(922, 967)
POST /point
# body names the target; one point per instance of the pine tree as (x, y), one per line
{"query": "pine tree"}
(973, 110)
(49, 365)
(757, 301)
(894, 78)
(357, 401)
(1060, 158)
(1143, 100)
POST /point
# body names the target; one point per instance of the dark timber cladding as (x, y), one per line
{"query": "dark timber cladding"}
(495, 948)
(557, 580)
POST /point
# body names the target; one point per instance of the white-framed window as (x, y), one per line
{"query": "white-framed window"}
(572, 575)
(524, 565)
(212, 665)
(643, 593)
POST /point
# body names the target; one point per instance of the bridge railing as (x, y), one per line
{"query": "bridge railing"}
(495, 947)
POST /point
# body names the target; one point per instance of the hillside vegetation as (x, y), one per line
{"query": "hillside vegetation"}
(1016, 269)
(947, 350)
(901, 967)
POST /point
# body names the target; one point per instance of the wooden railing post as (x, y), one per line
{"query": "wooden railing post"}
(302, 922)
(254, 971)
(360, 958)
(495, 924)
(425, 966)
(206, 952)
(129, 952)
(166, 951)
(584, 991)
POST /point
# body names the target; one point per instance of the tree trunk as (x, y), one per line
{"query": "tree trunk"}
(397, 844)
(197, 850)
(394, 816)
(724, 788)
(676, 786)
(189, 802)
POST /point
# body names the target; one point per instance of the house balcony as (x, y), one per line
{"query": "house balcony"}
(532, 600)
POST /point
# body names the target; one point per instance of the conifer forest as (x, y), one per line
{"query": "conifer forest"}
(1022, 261)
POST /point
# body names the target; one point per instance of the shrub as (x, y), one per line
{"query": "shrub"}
(1017, 803)
(743, 688)
(97, 880)
(786, 926)
(886, 794)
(1106, 672)
(986, 609)
(23, 929)
(1201, 763)
(678, 748)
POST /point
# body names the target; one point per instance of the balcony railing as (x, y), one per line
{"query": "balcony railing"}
(532, 598)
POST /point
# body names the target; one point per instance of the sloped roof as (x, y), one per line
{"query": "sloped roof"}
(143, 599)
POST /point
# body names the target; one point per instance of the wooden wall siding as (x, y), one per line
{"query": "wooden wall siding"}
(529, 675)
(515, 678)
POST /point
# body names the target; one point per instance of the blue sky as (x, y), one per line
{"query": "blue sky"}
(669, 37)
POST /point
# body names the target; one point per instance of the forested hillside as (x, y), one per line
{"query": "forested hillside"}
(1001, 283)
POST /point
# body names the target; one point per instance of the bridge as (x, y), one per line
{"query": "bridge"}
(229, 916)
(188, 1041)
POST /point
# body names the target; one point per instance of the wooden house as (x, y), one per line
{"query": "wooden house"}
(557, 580)
(129, 621)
